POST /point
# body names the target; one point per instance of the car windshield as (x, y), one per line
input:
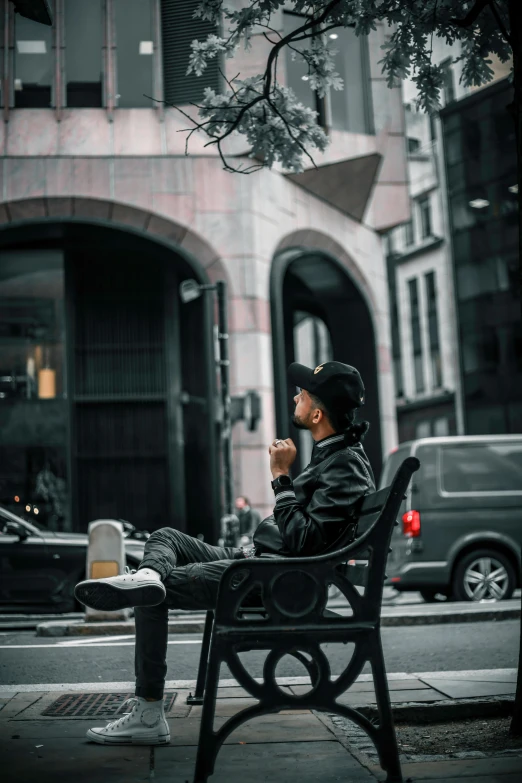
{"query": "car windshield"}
(8, 516)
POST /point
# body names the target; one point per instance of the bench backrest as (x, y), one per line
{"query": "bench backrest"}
(295, 588)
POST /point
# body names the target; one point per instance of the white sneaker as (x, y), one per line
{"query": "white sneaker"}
(134, 588)
(145, 724)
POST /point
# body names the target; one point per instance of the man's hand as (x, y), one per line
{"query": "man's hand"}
(282, 456)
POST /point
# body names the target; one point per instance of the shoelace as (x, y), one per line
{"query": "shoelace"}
(132, 703)
(129, 570)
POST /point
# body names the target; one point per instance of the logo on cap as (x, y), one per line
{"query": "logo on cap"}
(318, 369)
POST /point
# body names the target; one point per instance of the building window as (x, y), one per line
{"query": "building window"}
(433, 330)
(448, 87)
(423, 429)
(441, 427)
(33, 436)
(134, 52)
(389, 243)
(179, 29)
(83, 52)
(425, 216)
(347, 109)
(416, 334)
(297, 77)
(413, 145)
(409, 237)
(33, 64)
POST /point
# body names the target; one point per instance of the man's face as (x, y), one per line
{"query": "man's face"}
(240, 503)
(304, 411)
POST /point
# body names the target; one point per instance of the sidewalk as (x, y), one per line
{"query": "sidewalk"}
(42, 734)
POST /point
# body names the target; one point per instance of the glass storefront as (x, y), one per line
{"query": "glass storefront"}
(33, 387)
(479, 139)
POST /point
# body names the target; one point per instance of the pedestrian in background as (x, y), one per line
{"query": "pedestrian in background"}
(249, 519)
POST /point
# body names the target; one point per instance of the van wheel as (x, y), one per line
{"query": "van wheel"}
(484, 575)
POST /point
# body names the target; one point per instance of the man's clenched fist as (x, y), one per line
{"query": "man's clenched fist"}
(282, 456)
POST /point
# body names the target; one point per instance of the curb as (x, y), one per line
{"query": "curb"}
(195, 624)
(80, 628)
(448, 616)
(448, 710)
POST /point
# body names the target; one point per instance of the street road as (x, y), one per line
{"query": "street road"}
(27, 659)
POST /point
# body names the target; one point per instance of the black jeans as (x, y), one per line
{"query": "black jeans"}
(191, 571)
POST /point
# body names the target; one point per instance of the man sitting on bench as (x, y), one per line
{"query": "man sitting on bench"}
(181, 572)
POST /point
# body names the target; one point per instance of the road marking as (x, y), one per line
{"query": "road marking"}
(75, 643)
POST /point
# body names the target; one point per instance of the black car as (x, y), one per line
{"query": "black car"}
(39, 568)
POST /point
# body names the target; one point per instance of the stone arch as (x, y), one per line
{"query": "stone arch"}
(312, 273)
(312, 240)
(32, 220)
(123, 216)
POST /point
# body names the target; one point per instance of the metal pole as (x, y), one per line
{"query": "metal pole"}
(224, 366)
(229, 522)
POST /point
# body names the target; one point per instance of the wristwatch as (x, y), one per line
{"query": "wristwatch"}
(281, 481)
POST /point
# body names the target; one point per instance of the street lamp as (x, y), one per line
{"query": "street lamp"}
(190, 290)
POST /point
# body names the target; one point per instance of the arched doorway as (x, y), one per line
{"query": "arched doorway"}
(318, 314)
(130, 406)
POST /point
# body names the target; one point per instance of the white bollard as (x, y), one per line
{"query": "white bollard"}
(105, 557)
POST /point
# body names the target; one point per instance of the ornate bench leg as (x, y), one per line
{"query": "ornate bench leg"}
(388, 750)
(208, 747)
(197, 698)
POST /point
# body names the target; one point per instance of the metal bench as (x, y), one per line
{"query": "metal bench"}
(294, 620)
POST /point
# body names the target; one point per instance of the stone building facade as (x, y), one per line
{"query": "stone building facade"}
(111, 191)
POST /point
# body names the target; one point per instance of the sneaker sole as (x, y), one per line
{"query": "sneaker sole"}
(100, 739)
(107, 597)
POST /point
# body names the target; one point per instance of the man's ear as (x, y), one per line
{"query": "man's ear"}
(318, 416)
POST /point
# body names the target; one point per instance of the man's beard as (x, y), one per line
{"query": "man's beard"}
(300, 425)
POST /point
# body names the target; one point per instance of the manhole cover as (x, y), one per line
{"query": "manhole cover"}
(87, 705)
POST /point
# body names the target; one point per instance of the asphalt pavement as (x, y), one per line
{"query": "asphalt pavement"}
(25, 658)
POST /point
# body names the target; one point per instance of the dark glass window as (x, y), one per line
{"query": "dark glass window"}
(33, 64)
(448, 89)
(433, 330)
(409, 237)
(33, 435)
(349, 110)
(413, 145)
(296, 69)
(179, 29)
(134, 52)
(492, 467)
(416, 334)
(83, 52)
(425, 216)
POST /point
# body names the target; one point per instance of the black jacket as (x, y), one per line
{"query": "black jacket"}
(309, 517)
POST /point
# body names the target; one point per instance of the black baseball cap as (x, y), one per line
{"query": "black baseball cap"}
(338, 385)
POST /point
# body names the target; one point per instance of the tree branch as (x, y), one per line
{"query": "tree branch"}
(473, 14)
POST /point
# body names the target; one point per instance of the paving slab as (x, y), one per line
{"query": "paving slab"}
(367, 686)
(303, 726)
(466, 689)
(328, 762)
(489, 769)
(422, 695)
(478, 675)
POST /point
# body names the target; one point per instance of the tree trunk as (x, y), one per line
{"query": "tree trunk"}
(515, 23)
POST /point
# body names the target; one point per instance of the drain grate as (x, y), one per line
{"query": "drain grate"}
(87, 705)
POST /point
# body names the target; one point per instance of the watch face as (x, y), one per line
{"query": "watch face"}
(285, 481)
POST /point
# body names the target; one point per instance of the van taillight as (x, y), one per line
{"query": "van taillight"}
(411, 526)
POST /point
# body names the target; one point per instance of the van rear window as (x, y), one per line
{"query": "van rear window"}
(482, 467)
(392, 463)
